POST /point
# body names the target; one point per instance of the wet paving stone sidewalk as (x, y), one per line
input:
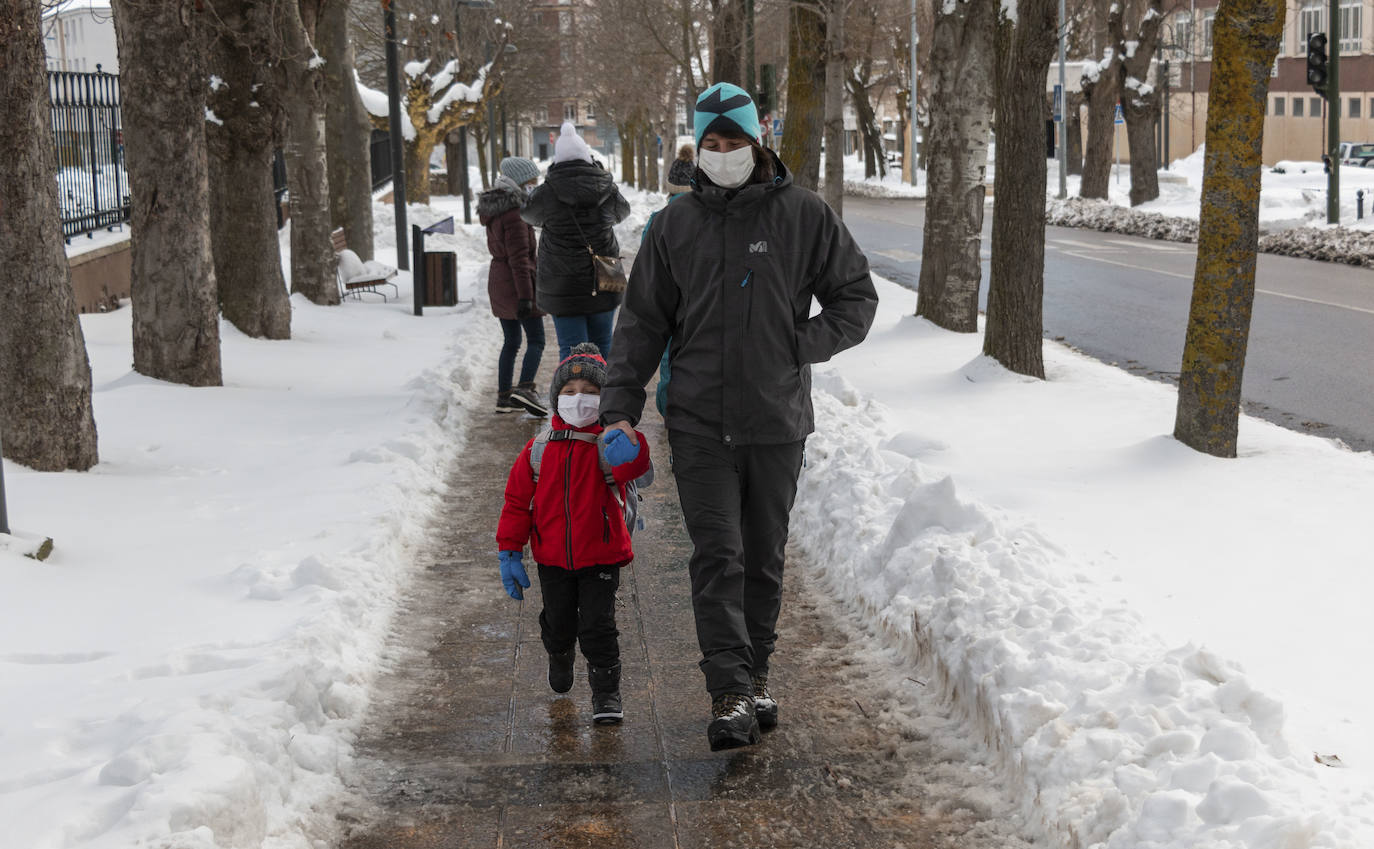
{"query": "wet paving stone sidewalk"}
(466, 745)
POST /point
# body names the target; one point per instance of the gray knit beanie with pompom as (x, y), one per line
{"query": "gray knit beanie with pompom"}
(584, 361)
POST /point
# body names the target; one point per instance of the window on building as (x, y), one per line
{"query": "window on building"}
(565, 21)
(1371, 107)
(1312, 18)
(1278, 106)
(589, 112)
(1314, 106)
(1352, 18)
(1208, 18)
(1297, 107)
(570, 112)
(1354, 108)
(1183, 36)
(541, 115)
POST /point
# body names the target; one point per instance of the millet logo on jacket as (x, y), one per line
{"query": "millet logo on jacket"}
(758, 248)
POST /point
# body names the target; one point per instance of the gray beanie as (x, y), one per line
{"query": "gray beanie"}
(584, 361)
(519, 169)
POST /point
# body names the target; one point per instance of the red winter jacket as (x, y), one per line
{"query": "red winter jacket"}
(570, 518)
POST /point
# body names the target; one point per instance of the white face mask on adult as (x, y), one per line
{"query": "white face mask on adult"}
(579, 410)
(728, 170)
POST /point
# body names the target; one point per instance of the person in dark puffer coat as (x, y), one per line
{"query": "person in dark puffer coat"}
(577, 206)
(683, 169)
(510, 283)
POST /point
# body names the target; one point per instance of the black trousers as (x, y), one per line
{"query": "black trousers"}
(736, 504)
(579, 609)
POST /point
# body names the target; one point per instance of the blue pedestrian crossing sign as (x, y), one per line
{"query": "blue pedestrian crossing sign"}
(1058, 103)
(1120, 119)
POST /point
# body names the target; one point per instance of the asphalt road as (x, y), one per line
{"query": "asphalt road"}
(1124, 300)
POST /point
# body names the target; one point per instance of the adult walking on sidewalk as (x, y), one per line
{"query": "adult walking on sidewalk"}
(577, 206)
(510, 283)
(736, 263)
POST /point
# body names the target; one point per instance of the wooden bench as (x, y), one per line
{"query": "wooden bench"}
(357, 277)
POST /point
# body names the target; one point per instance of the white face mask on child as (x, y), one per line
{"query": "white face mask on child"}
(579, 410)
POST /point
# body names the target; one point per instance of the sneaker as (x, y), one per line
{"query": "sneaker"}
(605, 684)
(504, 404)
(561, 670)
(524, 398)
(732, 722)
(765, 706)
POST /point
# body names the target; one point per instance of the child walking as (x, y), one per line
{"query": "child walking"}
(560, 501)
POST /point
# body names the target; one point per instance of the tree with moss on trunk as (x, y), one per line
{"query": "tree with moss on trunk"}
(1025, 44)
(961, 109)
(45, 379)
(162, 75)
(806, 41)
(1246, 37)
(302, 76)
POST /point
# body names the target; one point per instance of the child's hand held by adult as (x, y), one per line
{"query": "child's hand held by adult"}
(513, 574)
(619, 448)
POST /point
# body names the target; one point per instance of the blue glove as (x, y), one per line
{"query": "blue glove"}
(619, 449)
(513, 573)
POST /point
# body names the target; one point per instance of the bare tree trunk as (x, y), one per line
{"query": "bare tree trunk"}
(874, 163)
(307, 172)
(805, 95)
(651, 152)
(416, 162)
(834, 105)
(643, 158)
(627, 153)
(162, 75)
(479, 138)
(960, 84)
(348, 134)
(1102, 91)
(727, 37)
(243, 214)
(45, 378)
(1074, 107)
(1017, 282)
(1140, 103)
(1246, 36)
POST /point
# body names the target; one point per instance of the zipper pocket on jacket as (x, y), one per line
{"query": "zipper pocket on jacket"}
(605, 526)
(748, 296)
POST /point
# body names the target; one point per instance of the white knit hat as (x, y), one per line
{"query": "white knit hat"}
(570, 145)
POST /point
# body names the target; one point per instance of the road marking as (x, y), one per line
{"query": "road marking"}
(899, 255)
(1150, 245)
(1258, 290)
(1073, 243)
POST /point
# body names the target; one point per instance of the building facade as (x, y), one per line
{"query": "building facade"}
(1295, 126)
(79, 35)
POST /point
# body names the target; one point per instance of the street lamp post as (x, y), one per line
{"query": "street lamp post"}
(4, 515)
(911, 152)
(393, 100)
(1063, 109)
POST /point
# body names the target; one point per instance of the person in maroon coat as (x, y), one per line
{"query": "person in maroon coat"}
(510, 283)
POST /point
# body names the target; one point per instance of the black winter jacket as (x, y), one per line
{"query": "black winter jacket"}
(564, 278)
(729, 277)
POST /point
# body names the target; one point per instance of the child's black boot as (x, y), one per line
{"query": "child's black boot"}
(561, 670)
(605, 684)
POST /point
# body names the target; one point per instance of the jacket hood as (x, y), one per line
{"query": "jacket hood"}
(578, 183)
(495, 202)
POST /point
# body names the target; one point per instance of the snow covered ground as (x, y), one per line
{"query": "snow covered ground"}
(1156, 642)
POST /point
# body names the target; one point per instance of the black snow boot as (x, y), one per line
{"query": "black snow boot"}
(765, 706)
(605, 684)
(561, 670)
(732, 722)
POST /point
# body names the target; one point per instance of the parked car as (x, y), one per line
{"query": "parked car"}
(1357, 153)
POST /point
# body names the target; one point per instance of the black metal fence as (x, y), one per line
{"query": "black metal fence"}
(93, 187)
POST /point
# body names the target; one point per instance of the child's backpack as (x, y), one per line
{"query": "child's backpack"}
(629, 505)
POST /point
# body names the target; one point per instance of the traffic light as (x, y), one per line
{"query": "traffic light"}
(1316, 62)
